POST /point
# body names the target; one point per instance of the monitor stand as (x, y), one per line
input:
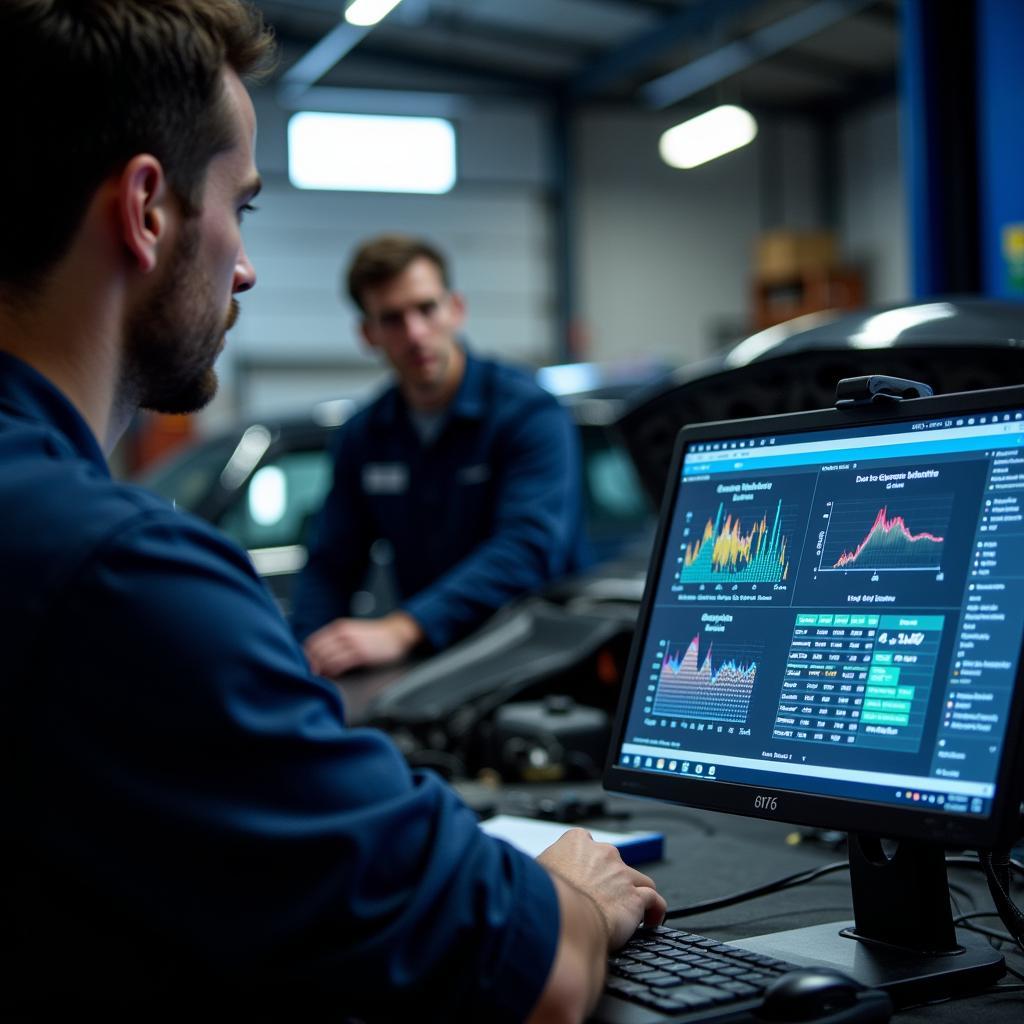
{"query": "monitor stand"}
(902, 938)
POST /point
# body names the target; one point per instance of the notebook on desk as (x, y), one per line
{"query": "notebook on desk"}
(534, 837)
(831, 636)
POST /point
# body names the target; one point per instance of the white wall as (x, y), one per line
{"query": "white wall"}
(494, 225)
(663, 257)
(796, 170)
(874, 214)
(659, 255)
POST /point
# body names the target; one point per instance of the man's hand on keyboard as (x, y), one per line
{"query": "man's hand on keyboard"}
(601, 903)
(625, 897)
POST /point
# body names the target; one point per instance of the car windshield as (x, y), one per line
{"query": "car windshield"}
(186, 479)
(280, 500)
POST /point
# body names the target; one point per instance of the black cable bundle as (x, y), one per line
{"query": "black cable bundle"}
(997, 865)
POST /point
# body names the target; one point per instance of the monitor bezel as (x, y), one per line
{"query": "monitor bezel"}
(841, 813)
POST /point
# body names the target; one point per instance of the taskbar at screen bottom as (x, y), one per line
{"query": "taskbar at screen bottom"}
(945, 796)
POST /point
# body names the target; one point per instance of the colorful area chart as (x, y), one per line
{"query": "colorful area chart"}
(691, 688)
(727, 549)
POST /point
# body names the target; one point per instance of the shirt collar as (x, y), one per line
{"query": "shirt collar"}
(26, 394)
(468, 402)
(469, 399)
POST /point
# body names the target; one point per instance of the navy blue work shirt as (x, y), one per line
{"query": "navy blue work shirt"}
(185, 808)
(490, 509)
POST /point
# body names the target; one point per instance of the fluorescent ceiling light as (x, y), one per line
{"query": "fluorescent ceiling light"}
(566, 378)
(371, 153)
(707, 136)
(369, 12)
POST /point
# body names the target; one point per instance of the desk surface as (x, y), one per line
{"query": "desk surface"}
(708, 855)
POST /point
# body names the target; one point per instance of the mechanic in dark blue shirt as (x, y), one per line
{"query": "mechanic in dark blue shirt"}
(465, 466)
(189, 824)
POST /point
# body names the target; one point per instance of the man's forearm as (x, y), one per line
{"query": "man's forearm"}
(345, 644)
(577, 974)
(602, 902)
(407, 631)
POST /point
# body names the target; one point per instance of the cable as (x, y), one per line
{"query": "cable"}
(1014, 867)
(999, 866)
(962, 918)
(803, 877)
(960, 890)
(964, 921)
(989, 933)
(789, 882)
(1013, 988)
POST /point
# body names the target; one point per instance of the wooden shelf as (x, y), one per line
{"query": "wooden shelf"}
(809, 291)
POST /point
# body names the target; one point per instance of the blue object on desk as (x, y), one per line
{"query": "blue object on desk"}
(533, 837)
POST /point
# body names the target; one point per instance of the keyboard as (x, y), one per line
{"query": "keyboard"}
(672, 972)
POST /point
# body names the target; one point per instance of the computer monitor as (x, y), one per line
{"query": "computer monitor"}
(831, 636)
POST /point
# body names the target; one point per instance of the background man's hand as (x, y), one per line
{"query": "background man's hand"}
(345, 644)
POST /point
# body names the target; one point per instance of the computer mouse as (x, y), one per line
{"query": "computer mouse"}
(819, 993)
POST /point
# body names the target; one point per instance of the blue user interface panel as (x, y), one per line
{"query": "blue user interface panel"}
(839, 613)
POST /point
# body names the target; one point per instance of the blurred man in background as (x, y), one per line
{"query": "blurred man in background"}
(466, 467)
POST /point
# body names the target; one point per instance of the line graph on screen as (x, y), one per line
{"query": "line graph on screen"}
(906, 535)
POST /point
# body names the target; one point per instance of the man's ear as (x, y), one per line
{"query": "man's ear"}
(458, 309)
(366, 331)
(144, 204)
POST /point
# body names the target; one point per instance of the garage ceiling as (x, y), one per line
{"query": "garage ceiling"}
(815, 56)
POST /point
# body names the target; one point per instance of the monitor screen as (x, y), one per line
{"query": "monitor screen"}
(832, 626)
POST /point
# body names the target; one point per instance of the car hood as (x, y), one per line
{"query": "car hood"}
(950, 343)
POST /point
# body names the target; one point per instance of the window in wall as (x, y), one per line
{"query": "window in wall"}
(371, 153)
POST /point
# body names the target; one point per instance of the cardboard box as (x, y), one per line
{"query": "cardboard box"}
(787, 255)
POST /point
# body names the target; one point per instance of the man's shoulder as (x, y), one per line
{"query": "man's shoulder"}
(377, 408)
(57, 510)
(42, 476)
(514, 384)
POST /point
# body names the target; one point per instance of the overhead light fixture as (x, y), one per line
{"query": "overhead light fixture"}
(369, 12)
(371, 153)
(707, 136)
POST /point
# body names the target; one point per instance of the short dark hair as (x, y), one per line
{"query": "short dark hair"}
(381, 259)
(87, 85)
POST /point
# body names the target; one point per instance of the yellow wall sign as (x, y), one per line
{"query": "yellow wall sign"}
(1013, 253)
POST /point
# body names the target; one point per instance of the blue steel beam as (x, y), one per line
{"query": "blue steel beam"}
(314, 64)
(473, 75)
(745, 53)
(692, 22)
(1001, 145)
(940, 145)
